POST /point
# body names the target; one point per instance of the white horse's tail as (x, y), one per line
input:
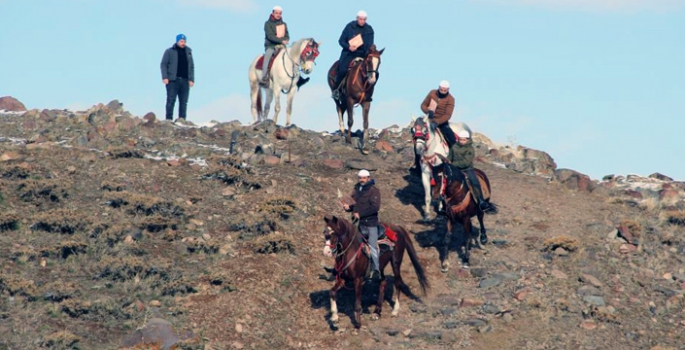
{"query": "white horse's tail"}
(259, 101)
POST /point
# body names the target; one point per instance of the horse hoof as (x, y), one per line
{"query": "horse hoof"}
(465, 266)
(395, 314)
(483, 239)
(445, 267)
(375, 316)
(365, 151)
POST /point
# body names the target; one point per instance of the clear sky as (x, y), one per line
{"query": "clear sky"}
(599, 84)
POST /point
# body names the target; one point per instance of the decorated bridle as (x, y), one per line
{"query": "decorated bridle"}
(310, 52)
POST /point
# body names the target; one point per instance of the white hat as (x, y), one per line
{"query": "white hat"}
(364, 173)
(463, 134)
(361, 14)
(278, 8)
(445, 84)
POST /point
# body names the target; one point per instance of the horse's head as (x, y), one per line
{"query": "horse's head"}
(335, 235)
(308, 53)
(372, 63)
(420, 134)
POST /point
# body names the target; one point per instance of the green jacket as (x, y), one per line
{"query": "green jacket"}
(270, 40)
(462, 156)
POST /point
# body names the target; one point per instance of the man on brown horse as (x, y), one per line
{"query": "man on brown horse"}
(367, 199)
(439, 106)
(275, 34)
(355, 40)
(461, 160)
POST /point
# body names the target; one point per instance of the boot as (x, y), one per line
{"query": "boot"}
(301, 82)
(265, 79)
(474, 186)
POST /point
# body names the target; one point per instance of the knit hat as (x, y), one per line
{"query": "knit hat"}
(181, 37)
(362, 14)
(445, 84)
(364, 173)
(463, 134)
(278, 8)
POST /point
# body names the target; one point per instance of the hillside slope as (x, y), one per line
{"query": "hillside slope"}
(112, 225)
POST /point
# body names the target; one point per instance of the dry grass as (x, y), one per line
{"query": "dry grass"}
(673, 217)
(633, 226)
(126, 153)
(274, 243)
(569, 243)
(145, 205)
(15, 285)
(61, 340)
(117, 268)
(60, 221)
(9, 222)
(282, 207)
(112, 186)
(53, 191)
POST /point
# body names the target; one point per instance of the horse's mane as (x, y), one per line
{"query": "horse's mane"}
(347, 226)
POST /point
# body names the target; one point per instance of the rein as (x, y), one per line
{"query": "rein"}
(365, 85)
(340, 265)
(296, 65)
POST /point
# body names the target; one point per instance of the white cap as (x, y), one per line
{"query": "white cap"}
(364, 173)
(445, 84)
(463, 134)
(361, 14)
(278, 8)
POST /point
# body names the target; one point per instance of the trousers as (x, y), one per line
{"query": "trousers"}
(179, 88)
(372, 233)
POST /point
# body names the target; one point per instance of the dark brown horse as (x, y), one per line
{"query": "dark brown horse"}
(358, 89)
(345, 242)
(460, 207)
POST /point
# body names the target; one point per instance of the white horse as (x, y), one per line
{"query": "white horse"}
(285, 74)
(428, 144)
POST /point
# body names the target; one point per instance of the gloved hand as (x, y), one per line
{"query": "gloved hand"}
(431, 114)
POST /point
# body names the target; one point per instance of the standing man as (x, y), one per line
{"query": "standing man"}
(367, 200)
(439, 105)
(178, 74)
(358, 29)
(275, 33)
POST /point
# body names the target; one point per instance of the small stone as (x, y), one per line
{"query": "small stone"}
(485, 329)
(592, 280)
(128, 239)
(491, 309)
(334, 163)
(588, 325)
(558, 274)
(237, 345)
(594, 300)
(560, 252)
(155, 303)
(668, 276)
(238, 328)
(521, 295)
(150, 117)
(43, 262)
(406, 332)
(282, 134)
(384, 146)
(489, 283)
(475, 322)
(507, 318)
(479, 272)
(627, 248)
(228, 191)
(7, 156)
(173, 163)
(470, 302)
(272, 160)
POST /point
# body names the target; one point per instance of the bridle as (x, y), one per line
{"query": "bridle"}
(339, 250)
(309, 54)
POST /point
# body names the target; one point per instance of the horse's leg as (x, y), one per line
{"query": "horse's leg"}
(254, 91)
(358, 285)
(289, 106)
(341, 113)
(268, 97)
(350, 119)
(466, 223)
(339, 283)
(277, 103)
(447, 242)
(381, 290)
(483, 231)
(426, 180)
(366, 106)
(396, 268)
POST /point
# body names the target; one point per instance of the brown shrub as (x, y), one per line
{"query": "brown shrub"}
(566, 242)
(65, 249)
(157, 223)
(674, 217)
(178, 286)
(60, 340)
(75, 308)
(60, 221)
(112, 186)
(144, 205)
(126, 153)
(274, 243)
(634, 227)
(124, 268)
(15, 285)
(9, 222)
(49, 190)
(59, 291)
(23, 253)
(282, 207)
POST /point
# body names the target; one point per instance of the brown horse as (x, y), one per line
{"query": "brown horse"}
(460, 207)
(345, 242)
(358, 89)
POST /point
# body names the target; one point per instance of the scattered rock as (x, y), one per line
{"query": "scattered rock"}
(7, 156)
(589, 291)
(491, 309)
(384, 146)
(558, 274)
(574, 180)
(475, 322)
(156, 330)
(271, 160)
(228, 191)
(627, 248)
(360, 164)
(11, 104)
(150, 117)
(560, 252)
(594, 300)
(155, 303)
(489, 282)
(470, 302)
(521, 295)
(282, 134)
(333, 163)
(661, 177)
(174, 163)
(588, 325)
(592, 280)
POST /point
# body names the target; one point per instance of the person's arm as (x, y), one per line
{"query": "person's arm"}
(374, 205)
(191, 67)
(270, 32)
(344, 38)
(449, 107)
(164, 65)
(426, 104)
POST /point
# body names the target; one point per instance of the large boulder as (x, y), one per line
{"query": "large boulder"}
(157, 331)
(11, 104)
(574, 180)
(525, 160)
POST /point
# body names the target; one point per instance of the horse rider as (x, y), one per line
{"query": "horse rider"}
(461, 157)
(367, 199)
(271, 39)
(349, 53)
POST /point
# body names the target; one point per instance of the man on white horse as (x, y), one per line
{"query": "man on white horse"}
(439, 106)
(355, 40)
(275, 33)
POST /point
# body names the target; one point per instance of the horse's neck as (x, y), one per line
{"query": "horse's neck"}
(436, 143)
(295, 52)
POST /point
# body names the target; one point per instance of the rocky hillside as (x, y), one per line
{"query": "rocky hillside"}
(125, 232)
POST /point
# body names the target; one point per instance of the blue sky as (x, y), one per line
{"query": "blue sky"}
(599, 84)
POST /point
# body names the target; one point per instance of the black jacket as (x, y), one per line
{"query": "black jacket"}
(169, 64)
(367, 200)
(351, 30)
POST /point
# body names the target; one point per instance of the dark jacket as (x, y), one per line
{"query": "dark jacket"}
(462, 156)
(443, 112)
(351, 30)
(367, 200)
(270, 38)
(169, 64)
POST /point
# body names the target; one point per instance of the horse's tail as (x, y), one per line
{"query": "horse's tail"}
(493, 207)
(420, 272)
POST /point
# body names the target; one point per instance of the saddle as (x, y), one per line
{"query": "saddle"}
(260, 62)
(343, 83)
(386, 241)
